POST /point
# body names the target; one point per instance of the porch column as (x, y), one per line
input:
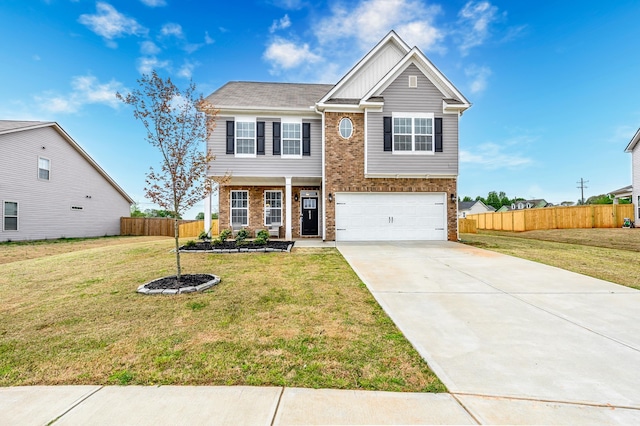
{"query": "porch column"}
(207, 213)
(287, 232)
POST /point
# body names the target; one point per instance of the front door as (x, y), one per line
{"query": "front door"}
(309, 216)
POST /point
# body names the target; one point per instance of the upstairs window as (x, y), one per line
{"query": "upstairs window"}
(246, 138)
(239, 208)
(10, 216)
(44, 168)
(272, 208)
(291, 139)
(413, 133)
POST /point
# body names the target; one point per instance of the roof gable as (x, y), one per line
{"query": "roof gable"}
(370, 69)
(9, 126)
(634, 142)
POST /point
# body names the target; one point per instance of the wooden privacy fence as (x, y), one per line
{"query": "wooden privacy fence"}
(163, 227)
(591, 216)
(467, 226)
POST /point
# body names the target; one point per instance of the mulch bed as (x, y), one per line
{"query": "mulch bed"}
(232, 247)
(189, 283)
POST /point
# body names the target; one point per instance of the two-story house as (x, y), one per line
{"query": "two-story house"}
(373, 157)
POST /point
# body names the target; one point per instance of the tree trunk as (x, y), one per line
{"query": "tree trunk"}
(176, 234)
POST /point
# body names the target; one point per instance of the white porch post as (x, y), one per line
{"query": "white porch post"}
(288, 207)
(207, 213)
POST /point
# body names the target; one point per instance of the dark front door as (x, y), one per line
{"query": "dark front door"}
(309, 216)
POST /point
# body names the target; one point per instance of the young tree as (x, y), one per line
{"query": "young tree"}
(177, 122)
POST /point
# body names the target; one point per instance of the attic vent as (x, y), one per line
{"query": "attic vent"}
(413, 81)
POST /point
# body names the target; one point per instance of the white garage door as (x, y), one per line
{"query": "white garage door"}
(390, 216)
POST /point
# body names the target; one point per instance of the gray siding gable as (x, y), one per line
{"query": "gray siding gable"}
(425, 98)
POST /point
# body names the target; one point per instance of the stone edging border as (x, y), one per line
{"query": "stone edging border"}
(241, 250)
(190, 289)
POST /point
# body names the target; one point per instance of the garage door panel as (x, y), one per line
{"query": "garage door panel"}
(390, 216)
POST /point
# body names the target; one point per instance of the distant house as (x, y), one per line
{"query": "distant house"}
(51, 188)
(525, 204)
(622, 193)
(473, 207)
(634, 149)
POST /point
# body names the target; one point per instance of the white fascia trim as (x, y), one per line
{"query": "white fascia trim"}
(363, 61)
(407, 176)
(324, 204)
(454, 108)
(373, 106)
(338, 107)
(37, 125)
(634, 142)
(416, 57)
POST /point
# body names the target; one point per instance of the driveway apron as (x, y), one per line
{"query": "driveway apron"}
(515, 341)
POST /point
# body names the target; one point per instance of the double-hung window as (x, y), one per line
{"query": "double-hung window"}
(44, 168)
(245, 138)
(272, 208)
(292, 139)
(10, 216)
(413, 133)
(239, 208)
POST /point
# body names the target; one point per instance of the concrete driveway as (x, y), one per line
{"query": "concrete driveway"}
(514, 341)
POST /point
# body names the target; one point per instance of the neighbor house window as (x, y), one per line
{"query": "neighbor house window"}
(292, 139)
(10, 216)
(413, 133)
(239, 208)
(44, 167)
(245, 137)
(273, 208)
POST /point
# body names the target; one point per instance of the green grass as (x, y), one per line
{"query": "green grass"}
(608, 254)
(71, 316)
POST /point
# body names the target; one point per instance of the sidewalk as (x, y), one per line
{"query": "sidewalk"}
(218, 405)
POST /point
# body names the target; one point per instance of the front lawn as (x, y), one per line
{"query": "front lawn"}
(70, 315)
(608, 254)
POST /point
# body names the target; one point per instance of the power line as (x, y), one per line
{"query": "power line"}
(582, 187)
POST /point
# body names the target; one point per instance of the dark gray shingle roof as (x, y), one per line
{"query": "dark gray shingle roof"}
(8, 125)
(268, 95)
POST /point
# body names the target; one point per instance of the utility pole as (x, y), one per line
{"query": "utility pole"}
(582, 187)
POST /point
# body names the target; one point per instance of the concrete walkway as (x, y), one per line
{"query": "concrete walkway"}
(514, 341)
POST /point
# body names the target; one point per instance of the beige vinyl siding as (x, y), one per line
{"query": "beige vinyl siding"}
(267, 165)
(45, 207)
(426, 98)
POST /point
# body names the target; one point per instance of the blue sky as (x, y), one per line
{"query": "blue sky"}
(554, 84)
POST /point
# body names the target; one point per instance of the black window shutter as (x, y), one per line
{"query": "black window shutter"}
(260, 137)
(306, 139)
(230, 137)
(276, 138)
(388, 134)
(438, 134)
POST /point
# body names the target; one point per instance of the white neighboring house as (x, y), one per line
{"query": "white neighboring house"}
(51, 188)
(466, 208)
(634, 149)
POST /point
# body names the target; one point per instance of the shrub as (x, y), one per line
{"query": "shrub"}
(224, 234)
(190, 243)
(217, 242)
(204, 236)
(263, 234)
(242, 235)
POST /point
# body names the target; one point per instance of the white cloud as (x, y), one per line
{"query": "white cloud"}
(479, 77)
(280, 24)
(149, 48)
(146, 64)
(207, 38)
(172, 29)
(85, 90)
(284, 54)
(110, 24)
(288, 4)
(474, 23)
(492, 156)
(154, 3)
(370, 20)
(186, 70)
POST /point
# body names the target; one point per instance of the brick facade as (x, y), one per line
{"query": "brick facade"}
(344, 172)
